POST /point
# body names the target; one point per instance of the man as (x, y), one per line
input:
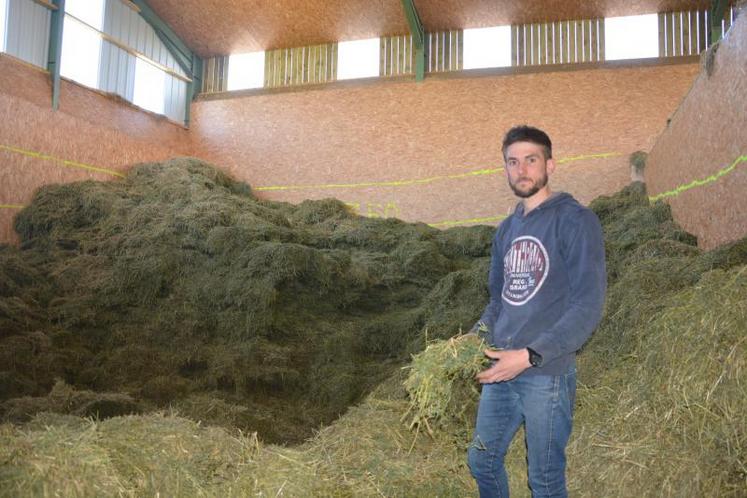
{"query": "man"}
(547, 283)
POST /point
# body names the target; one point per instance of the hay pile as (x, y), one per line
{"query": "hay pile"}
(661, 383)
(179, 288)
(441, 386)
(367, 452)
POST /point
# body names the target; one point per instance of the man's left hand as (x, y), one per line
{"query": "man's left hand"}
(508, 364)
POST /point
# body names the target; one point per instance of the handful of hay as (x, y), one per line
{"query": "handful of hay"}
(441, 384)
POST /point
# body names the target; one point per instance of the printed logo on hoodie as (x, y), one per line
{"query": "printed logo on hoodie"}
(525, 267)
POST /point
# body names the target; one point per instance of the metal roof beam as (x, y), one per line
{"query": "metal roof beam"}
(418, 37)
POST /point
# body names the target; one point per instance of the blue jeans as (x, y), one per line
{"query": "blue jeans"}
(544, 404)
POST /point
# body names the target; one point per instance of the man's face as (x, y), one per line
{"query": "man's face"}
(527, 169)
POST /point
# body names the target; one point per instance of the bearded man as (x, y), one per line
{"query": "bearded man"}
(547, 283)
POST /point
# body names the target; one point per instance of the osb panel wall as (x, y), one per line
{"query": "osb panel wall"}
(429, 151)
(703, 152)
(90, 129)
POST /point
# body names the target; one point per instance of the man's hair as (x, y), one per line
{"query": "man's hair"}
(526, 133)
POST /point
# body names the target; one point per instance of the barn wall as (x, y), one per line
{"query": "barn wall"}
(430, 151)
(39, 146)
(699, 164)
(425, 151)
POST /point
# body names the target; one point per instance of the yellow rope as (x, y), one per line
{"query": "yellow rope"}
(393, 183)
(699, 183)
(487, 219)
(64, 162)
(671, 193)
(420, 181)
(399, 183)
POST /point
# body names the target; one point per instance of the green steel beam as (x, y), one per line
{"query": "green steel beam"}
(193, 87)
(55, 50)
(418, 37)
(718, 8)
(187, 60)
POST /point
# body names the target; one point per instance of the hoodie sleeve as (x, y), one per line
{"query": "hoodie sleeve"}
(484, 326)
(583, 253)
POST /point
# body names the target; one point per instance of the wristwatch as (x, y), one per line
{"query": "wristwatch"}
(535, 359)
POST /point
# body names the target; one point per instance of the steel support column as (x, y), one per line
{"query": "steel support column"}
(55, 49)
(418, 37)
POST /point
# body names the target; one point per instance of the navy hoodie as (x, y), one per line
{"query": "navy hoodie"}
(547, 282)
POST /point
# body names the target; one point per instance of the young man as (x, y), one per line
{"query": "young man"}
(547, 283)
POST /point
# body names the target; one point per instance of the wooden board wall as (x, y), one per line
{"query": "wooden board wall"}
(89, 129)
(703, 151)
(429, 151)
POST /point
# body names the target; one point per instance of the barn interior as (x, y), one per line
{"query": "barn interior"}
(230, 257)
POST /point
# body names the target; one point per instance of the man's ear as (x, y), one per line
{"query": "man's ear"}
(550, 166)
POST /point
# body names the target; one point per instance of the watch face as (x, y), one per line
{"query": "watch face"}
(534, 359)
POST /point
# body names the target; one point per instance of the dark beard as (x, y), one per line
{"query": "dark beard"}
(529, 193)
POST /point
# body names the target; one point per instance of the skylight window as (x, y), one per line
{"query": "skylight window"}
(3, 17)
(358, 59)
(81, 44)
(487, 47)
(631, 37)
(246, 71)
(150, 83)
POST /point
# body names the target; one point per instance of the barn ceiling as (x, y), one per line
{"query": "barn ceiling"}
(220, 27)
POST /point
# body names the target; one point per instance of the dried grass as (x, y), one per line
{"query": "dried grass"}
(270, 302)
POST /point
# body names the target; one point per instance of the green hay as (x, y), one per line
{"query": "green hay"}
(441, 383)
(23, 293)
(722, 258)
(178, 287)
(62, 459)
(367, 452)
(326, 210)
(638, 161)
(65, 400)
(457, 300)
(282, 307)
(629, 221)
(669, 420)
(473, 242)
